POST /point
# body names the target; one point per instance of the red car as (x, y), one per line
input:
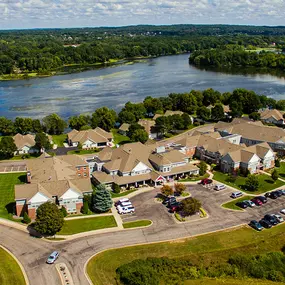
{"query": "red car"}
(175, 207)
(256, 201)
(206, 181)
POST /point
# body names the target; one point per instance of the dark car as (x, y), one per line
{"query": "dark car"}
(262, 199)
(242, 205)
(256, 225)
(271, 195)
(265, 224)
(171, 202)
(168, 199)
(256, 201)
(206, 181)
(279, 193)
(271, 219)
(175, 207)
(283, 192)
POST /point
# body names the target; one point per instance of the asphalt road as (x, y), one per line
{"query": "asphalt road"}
(33, 252)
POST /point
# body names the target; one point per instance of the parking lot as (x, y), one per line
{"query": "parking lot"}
(6, 167)
(148, 208)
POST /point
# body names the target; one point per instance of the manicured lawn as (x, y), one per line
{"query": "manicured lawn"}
(195, 178)
(232, 204)
(10, 271)
(59, 139)
(136, 224)
(265, 182)
(213, 248)
(7, 193)
(228, 281)
(281, 170)
(122, 194)
(83, 151)
(71, 227)
(118, 138)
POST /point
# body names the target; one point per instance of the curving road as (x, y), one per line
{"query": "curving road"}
(33, 252)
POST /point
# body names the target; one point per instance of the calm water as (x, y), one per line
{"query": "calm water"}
(72, 94)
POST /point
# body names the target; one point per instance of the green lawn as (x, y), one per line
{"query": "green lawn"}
(265, 182)
(281, 170)
(229, 281)
(136, 224)
(7, 193)
(122, 194)
(59, 139)
(76, 226)
(10, 271)
(232, 204)
(118, 138)
(214, 248)
(195, 178)
(83, 151)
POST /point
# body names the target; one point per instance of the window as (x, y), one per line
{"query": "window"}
(79, 174)
(85, 174)
(84, 167)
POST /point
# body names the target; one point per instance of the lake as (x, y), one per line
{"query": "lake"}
(113, 86)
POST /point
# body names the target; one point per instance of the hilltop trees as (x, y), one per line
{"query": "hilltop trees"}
(104, 118)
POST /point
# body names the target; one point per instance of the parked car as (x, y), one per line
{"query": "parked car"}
(125, 210)
(219, 187)
(172, 202)
(282, 211)
(168, 199)
(236, 194)
(53, 257)
(249, 203)
(265, 224)
(279, 193)
(279, 218)
(242, 205)
(271, 195)
(123, 200)
(271, 219)
(256, 201)
(126, 204)
(256, 225)
(263, 199)
(283, 191)
(175, 207)
(206, 181)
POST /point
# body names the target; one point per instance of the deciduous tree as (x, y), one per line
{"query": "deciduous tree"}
(252, 183)
(190, 206)
(166, 190)
(7, 147)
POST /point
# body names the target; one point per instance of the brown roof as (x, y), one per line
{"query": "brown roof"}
(189, 141)
(180, 169)
(271, 113)
(147, 124)
(260, 149)
(96, 135)
(167, 157)
(124, 127)
(24, 140)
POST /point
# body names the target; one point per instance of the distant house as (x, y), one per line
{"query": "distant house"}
(272, 117)
(170, 113)
(124, 129)
(95, 138)
(149, 126)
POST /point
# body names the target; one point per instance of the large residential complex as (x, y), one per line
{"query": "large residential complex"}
(61, 179)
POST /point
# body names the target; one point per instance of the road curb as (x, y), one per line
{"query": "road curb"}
(19, 263)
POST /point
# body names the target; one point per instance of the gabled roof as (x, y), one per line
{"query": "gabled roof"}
(124, 127)
(271, 114)
(148, 125)
(96, 135)
(168, 157)
(24, 140)
(260, 149)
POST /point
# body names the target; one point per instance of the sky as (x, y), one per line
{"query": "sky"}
(18, 14)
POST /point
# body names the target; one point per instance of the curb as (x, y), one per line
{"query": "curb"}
(19, 263)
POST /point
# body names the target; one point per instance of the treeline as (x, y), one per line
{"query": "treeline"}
(155, 271)
(43, 51)
(237, 57)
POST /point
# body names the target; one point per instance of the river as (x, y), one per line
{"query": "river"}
(76, 93)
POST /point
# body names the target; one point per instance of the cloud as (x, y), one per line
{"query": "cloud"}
(65, 13)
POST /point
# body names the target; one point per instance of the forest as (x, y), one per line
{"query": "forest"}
(42, 51)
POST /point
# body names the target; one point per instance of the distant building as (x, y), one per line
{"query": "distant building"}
(149, 127)
(272, 117)
(124, 129)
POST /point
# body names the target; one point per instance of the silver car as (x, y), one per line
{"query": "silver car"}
(53, 257)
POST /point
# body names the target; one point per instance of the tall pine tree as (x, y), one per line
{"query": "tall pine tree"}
(102, 200)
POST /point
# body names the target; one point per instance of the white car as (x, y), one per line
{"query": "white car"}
(53, 257)
(279, 218)
(282, 211)
(125, 210)
(219, 187)
(249, 203)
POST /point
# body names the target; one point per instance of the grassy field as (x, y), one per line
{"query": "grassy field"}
(229, 281)
(280, 170)
(7, 193)
(83, 151)
(232, 204)
(76, 226)
(122, 194)
(265, 182)
(206, 249)
(136, 224)
(10, 272)
(118, 138)
(59, 139)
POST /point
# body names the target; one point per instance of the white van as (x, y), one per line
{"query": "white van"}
(126, 204)
(236, 194)
(219, 187)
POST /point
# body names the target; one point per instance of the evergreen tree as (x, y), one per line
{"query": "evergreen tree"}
(274, 175)
(102, 200)
(85, 207)
(26, 218)
(202, 168)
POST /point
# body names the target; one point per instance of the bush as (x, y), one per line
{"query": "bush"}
(252, 183)
(166, 190)
(190, 206)
(116, 188)
(179, 188)
(277, 163)
(274, 175)
(203, 168)
(85, 207)
(63, 211)
(26, 218)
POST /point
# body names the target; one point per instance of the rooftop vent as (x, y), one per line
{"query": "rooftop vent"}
(160, 149)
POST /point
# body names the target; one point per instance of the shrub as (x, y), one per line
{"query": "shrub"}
(179, 188)
(277, 163)
(190, 206)
(252, 183)
(166, 190)
(26, 218)
(63, 211)
(116, 188)
(274, 175)
(85, 207)
(203, 168)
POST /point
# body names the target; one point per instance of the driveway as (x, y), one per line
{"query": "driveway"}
(32, 252)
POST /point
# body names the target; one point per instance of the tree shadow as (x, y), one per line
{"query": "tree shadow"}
(23, 178)
(33, 232)
(11, 208)
(269, 181)
(282, 175)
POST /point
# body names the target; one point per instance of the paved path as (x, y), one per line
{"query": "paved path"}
(32, 252)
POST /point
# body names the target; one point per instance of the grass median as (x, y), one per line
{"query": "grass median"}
(137, 224)
(232, 204)
(208, 249)
(76, 226)
(10, 271)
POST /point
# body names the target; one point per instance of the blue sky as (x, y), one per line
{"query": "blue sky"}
(82, 13)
